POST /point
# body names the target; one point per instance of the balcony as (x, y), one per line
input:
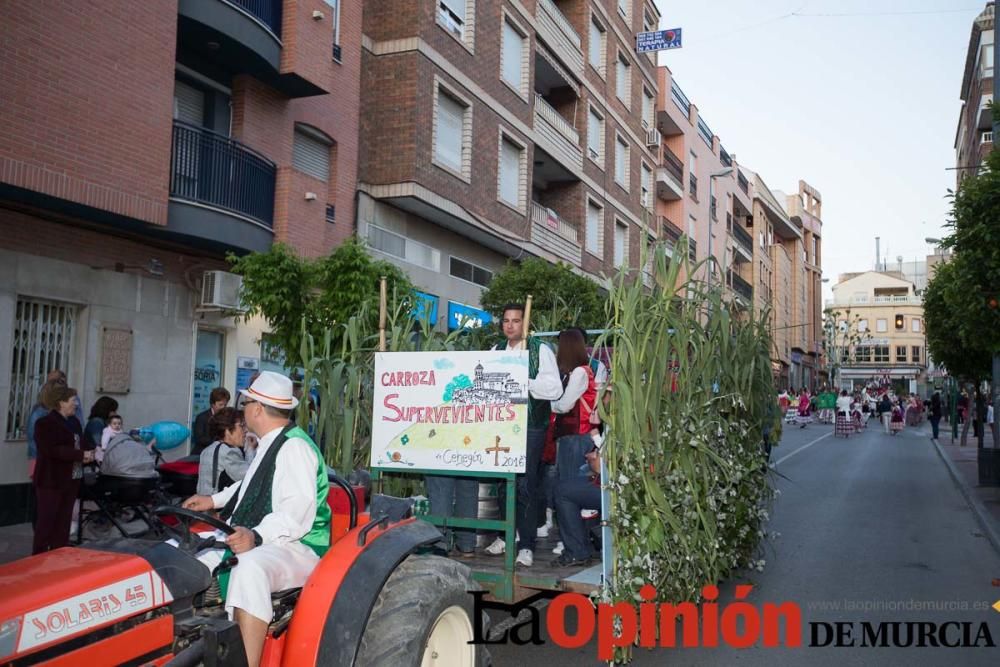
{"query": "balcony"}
(551, 232)
(220, 190)
(669, 230)
(742, 237)
(558, 34)
(670, 177)
(705, 132)
(727, 160)
(693, 186)
(744, 184)
(559, 138)
(241, 36)
(740, 286)
(680, 99)
(985, 119)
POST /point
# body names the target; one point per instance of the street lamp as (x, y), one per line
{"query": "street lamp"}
(711, 195)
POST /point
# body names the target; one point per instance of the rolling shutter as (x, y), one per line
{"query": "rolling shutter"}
(311, 156)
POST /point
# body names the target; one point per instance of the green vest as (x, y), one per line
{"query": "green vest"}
(538, 411)
(256, 503)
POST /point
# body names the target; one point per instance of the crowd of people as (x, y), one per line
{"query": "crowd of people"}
(850, 412)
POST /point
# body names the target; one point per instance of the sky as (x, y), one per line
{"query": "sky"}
(862, 106)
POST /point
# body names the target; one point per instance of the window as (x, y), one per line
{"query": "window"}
(862, 326)
(986, 62)
(916, 354)
(881, 354)
(451, 125)
(623, 80)
(761, 234)
(621, 244)
(595, 136)
(397, 245)
(189, 103)
(43, 338)
(881, 326)
(513, 57)
(596, 48)
(648, 109)
(621, 162)
(335, 20)
(595, 228)
(646, 184)
(452, 16)
(623, 9)
(470, 272)
(311, 154)
(900, 354)
(648, 22)
(511, 172)
(915, 325)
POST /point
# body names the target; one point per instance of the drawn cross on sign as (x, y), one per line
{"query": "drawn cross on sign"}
(496, 449)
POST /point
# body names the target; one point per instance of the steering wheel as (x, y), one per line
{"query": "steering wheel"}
(187, 539)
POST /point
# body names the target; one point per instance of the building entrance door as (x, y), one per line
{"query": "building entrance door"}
(208, 356)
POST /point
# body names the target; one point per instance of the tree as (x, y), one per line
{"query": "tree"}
(288, 290)
(560, 298)
(841, 337)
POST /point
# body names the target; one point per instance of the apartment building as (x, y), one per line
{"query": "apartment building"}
(805, 210)
(493, 131)
(700, 190)
(140, 143)
(974, 134)
(885, 312)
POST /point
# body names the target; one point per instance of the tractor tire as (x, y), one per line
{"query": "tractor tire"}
(423, 617)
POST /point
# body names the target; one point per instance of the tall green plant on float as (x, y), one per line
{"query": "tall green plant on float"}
(692, 392)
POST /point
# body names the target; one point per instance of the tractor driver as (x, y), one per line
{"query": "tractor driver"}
(279, 511)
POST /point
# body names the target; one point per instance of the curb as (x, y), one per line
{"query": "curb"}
(983, 516)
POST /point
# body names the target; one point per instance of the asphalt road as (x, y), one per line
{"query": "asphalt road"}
(874, 522)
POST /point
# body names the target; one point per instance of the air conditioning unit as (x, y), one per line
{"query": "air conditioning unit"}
(653, 137)
(220, 290)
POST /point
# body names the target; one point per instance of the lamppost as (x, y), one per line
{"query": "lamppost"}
(711, 196)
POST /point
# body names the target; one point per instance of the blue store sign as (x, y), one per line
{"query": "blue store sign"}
(425, 307)
(658, 40)
(460, 315)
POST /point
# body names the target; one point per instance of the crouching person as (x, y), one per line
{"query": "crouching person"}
(279, 511)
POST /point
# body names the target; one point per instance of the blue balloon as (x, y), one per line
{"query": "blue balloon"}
(168, 434)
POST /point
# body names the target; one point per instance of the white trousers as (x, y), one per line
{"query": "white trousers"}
(261, 571)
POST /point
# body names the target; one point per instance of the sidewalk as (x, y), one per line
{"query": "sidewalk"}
(963, 464)
(15, 542)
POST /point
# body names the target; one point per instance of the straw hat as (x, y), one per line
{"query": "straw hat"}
(272, 389)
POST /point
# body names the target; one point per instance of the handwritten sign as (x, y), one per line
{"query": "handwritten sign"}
(450, 411)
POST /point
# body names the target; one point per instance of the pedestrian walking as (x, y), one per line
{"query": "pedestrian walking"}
(885, 412)
(935, 413)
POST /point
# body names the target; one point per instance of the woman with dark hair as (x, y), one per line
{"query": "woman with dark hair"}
(224, 461)
(59, 470)
(100, 413)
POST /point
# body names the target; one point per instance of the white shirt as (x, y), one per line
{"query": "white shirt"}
(844, 404)
(546, 385)
(293, 491)
(575, 388)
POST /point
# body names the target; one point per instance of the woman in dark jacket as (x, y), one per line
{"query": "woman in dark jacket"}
(59, 470)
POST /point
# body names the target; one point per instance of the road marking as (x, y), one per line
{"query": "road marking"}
(805, 446)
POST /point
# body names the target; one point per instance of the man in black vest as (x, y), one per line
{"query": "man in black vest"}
(544, 386)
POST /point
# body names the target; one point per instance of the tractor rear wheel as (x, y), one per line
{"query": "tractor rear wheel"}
(423, 617)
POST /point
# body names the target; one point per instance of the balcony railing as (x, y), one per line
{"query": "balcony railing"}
(551, 232)
(267, 12)
(669, 230)
(693, 186)
(742, 237)
(740, 286)
(680, 99)
(743, 183)
(556, 31)
(213, 169)
(673, 165)
(704, 132)
(552, 117)
(561, 139)
(727, 161)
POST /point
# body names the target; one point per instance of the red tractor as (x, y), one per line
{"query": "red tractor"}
(376, 599)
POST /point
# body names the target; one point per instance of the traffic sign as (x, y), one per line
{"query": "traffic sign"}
(658, 40)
